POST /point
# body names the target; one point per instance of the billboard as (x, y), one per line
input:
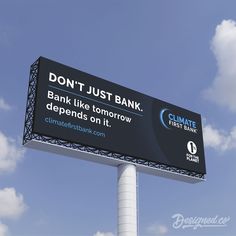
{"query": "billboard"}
(76, 111)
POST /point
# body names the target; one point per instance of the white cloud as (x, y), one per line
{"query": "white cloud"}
(223, 89)
(4, 105)
(98, 233)
(12, 204)
(219, 139)
(157, 229)
(3, 230)
(10, 153)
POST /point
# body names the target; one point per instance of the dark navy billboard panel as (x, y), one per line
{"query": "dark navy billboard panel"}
(81, 108)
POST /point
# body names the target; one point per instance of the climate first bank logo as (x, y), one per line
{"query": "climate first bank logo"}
(169, 119)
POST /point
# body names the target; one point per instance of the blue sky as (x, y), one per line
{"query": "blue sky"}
(182, 52)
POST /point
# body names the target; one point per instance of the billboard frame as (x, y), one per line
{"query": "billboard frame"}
(86, 152)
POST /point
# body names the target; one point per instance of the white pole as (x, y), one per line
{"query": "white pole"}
(127, 200)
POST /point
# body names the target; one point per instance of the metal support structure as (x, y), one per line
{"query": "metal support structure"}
(127, 200)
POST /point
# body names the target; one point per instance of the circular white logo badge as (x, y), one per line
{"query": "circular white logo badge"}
(192, 147)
